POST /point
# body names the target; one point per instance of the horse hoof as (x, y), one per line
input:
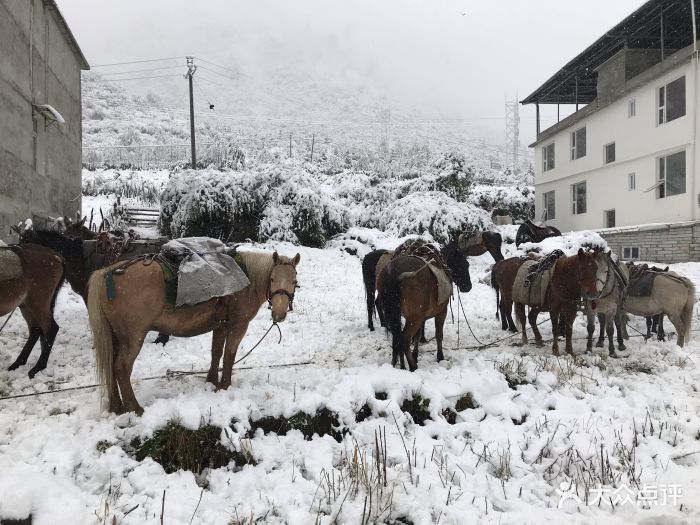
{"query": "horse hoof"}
(614, 354)
(571, 353)
(621, 347)
(13, 366)
(599, 344)
(556, 352)
(539, 344)
(371, 328)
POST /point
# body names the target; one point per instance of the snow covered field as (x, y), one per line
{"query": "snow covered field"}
(536, 422)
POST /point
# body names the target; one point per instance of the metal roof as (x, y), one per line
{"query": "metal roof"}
(577, 81)
(51, 6)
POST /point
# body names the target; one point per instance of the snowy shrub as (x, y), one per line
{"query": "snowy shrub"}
(453, 177)
(436, 214)
(517, 202)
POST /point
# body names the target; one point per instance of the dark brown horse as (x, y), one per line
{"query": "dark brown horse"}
(531, 232)
(480, 243)
(120, 324)
(33, 290)
(580, 276)
(409, 287)
(372, 265)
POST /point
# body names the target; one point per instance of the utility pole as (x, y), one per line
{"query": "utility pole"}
(290, 145)
(191, 68)
(313, 139)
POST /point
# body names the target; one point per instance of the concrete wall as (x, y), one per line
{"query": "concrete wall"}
(639, 143)
(40, 163)
(666, 243)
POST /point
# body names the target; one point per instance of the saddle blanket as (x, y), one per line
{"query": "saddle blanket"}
(205, 269)
(10, 264)
(444, 283)
(532, 295)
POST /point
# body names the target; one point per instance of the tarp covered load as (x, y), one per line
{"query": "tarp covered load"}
(205, 270)
(533, 294)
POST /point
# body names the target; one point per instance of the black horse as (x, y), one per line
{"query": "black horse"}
(531, 232)
(480, 243)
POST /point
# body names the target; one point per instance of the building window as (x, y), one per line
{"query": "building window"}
(632, 108)
(609, 153)
(548, 157)
(631, 181)
(548, 205)
(671, 101)
(578, 144)
(578, 198)
(610, 218)
(671, 175)
(630, 253)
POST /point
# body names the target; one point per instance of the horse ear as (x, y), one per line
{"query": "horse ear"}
(580, 252)
(82, 222)
(296, 259)
(275, 258)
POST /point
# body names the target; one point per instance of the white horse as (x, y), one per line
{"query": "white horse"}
(671, 294)
(608, 308)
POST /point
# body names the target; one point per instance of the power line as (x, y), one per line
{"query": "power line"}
(135, 62)
(139, 70)
(222, 67)
(138, 78)
(216, 72)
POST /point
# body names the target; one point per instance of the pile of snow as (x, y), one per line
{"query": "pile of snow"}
(569, 243)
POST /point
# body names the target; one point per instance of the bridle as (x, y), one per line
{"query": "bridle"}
(605, 282)
(282, 291)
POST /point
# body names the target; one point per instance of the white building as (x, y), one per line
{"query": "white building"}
(627, 156)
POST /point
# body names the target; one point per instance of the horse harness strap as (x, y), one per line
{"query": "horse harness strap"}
(281, 291)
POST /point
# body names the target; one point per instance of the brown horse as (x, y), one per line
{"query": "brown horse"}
(408, 287)
(34, 292)
(531, 232)
(480, 243)
(120, 325)
(583, 275)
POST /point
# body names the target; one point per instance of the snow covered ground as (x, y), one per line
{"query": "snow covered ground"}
(537, 422)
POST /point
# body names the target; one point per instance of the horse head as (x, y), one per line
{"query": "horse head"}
(593, 269)
(283, 284)
(459, 266)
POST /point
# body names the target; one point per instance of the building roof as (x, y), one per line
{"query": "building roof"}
(51, 6)
(577, 82)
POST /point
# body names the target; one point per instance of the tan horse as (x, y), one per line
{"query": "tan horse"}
(34, 292)
(120, 325)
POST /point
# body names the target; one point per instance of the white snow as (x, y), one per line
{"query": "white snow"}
(50, 465)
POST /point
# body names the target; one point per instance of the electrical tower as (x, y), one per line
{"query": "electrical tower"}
(191, 68)
(512, 132)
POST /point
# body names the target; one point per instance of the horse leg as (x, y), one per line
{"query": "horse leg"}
(507, 312)
(422, 333)
(439, 324)
(590, 326)
(660, 334)
(619, 320)
(233, 339)
(380, 312)
(678, 324)
(34, 334)
(532, 318)
(409, 332)
(610, 330)
(218, 338)
(601, 338)
(654, 323)
(649, 324)
(123, 366)
(520, 314)
(47, 340)
(569, 327)
(115, 399)
(554, 318)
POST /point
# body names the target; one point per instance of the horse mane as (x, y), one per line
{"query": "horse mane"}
(258, 267)
(53, 240)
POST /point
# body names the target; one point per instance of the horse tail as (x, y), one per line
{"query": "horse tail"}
(687, 313)
(101, 331)
(64, 274)
(390, 298)
(369, 276)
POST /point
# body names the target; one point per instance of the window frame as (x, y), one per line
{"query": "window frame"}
(605, 153)
(628, 253)
(631, 181)
(574, 205)
(606, 217)
(661, 96)
(574, 143)
(545, 158)
(662, 179)
(547, 217)
(632, 108)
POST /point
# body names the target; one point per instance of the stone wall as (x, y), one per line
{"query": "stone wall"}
(663, 243)
(40, 161)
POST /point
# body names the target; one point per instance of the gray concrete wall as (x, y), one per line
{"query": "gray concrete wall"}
(39, 175)
(666, 244)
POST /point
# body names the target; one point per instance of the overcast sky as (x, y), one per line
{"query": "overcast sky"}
(446, 58)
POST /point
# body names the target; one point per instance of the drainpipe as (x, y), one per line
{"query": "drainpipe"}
(695, 198)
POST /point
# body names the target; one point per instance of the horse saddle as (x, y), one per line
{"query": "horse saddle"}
(531, 282)
(433, 258)
(641, 283)
(10, 264)
(540, 230)
(465, 243)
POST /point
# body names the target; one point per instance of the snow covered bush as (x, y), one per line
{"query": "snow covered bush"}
(517, 201)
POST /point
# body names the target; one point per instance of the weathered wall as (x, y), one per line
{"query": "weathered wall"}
(40, 163)
(666, 243)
